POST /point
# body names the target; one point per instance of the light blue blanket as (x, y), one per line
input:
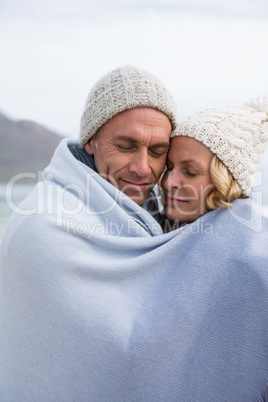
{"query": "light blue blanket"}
(97, 304)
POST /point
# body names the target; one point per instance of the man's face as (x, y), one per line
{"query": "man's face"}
(130, 150)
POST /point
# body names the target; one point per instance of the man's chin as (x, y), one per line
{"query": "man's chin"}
(138, 197)
(138, 194)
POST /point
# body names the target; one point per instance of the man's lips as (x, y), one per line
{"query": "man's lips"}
(174, 200)
(135, 185)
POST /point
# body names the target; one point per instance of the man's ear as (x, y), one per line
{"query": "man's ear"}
(90, 146)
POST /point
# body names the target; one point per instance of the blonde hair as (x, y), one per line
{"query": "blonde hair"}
(227, 189)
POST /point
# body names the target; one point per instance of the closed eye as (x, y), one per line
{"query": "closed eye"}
(188, 173)
(157, 153)
(125, 148)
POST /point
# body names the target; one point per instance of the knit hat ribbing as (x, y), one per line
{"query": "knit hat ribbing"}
(236, 134)
(124, 88)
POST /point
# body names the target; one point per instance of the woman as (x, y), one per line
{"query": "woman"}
(212, 161)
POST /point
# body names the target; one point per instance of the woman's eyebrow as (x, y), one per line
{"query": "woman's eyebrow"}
(192, 161)
(189, 161)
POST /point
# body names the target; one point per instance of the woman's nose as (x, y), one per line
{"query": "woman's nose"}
(171, 180)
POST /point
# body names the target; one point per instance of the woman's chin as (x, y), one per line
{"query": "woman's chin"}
(175, 217)
(173, 214)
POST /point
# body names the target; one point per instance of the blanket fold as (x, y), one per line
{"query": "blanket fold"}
(97, 304)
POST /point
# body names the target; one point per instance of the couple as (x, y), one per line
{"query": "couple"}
(97, 303)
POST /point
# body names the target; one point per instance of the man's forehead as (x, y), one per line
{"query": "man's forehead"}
(137, 140)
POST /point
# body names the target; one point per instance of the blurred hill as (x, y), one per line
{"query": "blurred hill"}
(25, 146)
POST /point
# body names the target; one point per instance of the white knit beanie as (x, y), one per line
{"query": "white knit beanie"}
(125, 88)
(236, 134)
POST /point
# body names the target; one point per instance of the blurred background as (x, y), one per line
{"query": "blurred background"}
(208, 53)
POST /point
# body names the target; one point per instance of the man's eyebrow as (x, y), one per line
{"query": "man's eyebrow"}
(127, 138)
(135, 141)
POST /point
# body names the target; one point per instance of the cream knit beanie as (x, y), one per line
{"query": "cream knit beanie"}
(124, 88)
(236, 134)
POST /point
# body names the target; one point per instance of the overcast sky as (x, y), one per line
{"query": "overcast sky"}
(208, 52)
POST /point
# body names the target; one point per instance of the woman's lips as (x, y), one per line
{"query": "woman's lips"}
(135, 186)
(173, 200)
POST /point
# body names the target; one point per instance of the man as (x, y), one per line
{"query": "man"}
(69, 233)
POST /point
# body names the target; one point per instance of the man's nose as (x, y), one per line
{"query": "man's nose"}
(140, 163)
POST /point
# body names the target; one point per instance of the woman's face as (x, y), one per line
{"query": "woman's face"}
(186, 183)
